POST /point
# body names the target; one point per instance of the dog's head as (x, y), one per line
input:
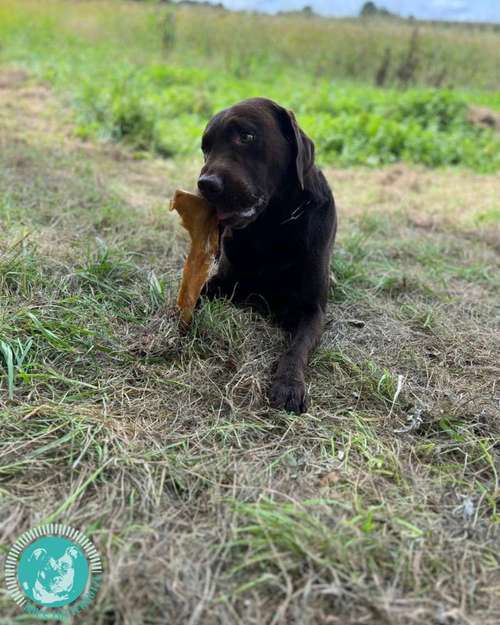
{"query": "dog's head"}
(253, 151)
(54, 575)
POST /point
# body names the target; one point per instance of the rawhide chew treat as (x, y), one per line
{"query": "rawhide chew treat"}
(200, 220)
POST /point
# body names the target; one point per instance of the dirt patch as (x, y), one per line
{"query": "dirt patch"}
(12, 78)
(484, 117)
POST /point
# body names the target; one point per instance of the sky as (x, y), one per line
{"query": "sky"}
(460, 10)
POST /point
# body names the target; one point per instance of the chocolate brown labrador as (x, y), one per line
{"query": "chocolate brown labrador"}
(277, 223)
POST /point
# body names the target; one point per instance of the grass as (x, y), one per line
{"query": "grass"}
(464, 56)
(378, 506)
(127, 84)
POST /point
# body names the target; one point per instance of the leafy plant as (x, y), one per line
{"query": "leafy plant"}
(14, 355)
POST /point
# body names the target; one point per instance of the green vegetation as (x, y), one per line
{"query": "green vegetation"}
(153, 77)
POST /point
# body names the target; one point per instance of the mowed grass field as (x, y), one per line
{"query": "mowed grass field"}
(379, 506)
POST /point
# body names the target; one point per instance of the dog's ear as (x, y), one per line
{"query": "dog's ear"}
(38, 554)
(72, 552)
(303, 146)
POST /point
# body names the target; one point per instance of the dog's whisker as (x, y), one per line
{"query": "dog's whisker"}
(295, 214)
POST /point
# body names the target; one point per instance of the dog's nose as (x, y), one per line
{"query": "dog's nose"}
(210, 186)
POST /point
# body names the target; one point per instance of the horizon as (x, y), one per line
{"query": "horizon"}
(439, 10)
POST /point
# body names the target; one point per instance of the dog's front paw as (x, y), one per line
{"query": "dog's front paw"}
(289, 395)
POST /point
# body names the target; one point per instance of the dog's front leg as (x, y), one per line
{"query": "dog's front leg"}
(288, 386)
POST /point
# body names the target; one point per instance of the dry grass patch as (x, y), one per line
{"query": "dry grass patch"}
(450, 199)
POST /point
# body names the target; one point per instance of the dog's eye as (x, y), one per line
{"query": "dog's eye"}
(247, 137)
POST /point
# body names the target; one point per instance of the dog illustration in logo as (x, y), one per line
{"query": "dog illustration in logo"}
(54, 577)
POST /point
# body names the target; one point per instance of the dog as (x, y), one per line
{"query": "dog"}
(54, 577)
(277, 222)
